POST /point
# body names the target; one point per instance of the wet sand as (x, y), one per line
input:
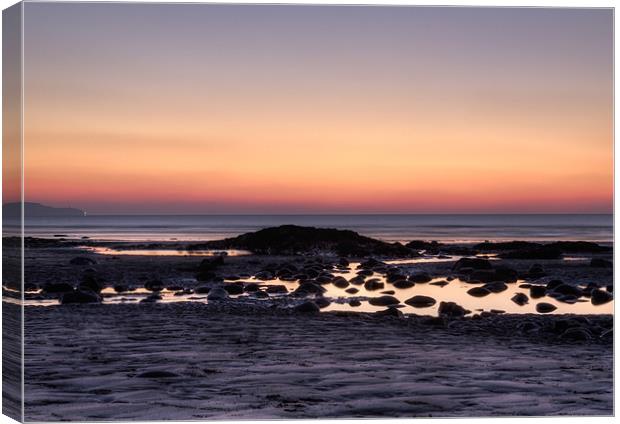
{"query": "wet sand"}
(92, 362)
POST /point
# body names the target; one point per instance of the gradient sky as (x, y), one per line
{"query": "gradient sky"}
(318, 109)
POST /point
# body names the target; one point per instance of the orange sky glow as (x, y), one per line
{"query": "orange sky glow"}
(380, 112)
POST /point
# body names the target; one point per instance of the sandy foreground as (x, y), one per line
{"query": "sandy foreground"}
(196, 361)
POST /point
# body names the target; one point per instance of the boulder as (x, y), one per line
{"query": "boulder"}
(373, 284)
(478, 292)
(79, 296)
(420, 277)
(234, 288)
(307, 308)
(601, 263)
(390, 312)
(82, 260)
(277, 289)
(154, 285)
(217, 293)
(600, 297)
(403, 284)
(440, 283)
(576, 334)
(420, 301)
(451, 310)
(57, 287)
(496, 286)
(520, 299)
(483, 275)
(383, 301)
(251, 288)
(473, 263)
(354, 303)
(340, 282)
(545, 308)
(537, 291)
(120, 288)
(565, 289)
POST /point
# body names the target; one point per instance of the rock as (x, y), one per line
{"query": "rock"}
(506, 274)
(497, 311)
(354, 303)
(79, 296)
(451, 310)
(392, 277)
(520, 299)
(553, 284)
(601, 263)
(420, 277)
(277, 289)
(340, 282)
(217, 293)
(82, 260)
(610, 288)
(57, 287)
(403, 284)
(152, 298)
(420, 301)
(207, 267)
(496, 286)
(120, 288)
(383, 301)
(545, 308)
(478, 292)
(485, 276)
(322, 302)
(91, 282)
(157, 374)
(371, 263)
(307, 308)
(154, 285)
(343, 262)
(259, 294)
(234, 288)
(358, 281)
(390, 312)
(251, 288)
(600, 297)
(352, 290)
(473, 263)
(536, 271)
(264, 276)
(390, 292)
(202, 289)
(373, 284)
(311, 288)
(576, 334)
(537, 291)
(440, 283)
(565, 289)
(537, 253)
(175, 288)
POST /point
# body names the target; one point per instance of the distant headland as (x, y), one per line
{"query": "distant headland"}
(34, 210)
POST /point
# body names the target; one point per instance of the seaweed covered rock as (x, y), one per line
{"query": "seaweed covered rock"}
(293, 239)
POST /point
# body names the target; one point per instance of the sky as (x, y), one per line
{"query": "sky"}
(137, 108)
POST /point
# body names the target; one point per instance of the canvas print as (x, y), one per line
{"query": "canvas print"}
(228, 211)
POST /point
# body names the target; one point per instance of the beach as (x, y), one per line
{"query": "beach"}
(188, 330)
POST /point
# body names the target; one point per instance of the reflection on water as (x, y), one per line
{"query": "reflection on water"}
(454, 291)
(164, 252)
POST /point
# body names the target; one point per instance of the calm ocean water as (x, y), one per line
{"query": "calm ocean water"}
(447, 228)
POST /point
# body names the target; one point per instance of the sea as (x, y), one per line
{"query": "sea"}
(402, 228)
